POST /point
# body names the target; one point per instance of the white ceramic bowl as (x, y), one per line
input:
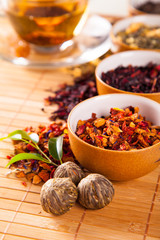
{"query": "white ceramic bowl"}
(121, 25)
(135, 58)
(116, 165)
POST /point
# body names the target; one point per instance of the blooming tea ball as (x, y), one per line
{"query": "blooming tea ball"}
(95, 191)
(58, 195)
(71, 170)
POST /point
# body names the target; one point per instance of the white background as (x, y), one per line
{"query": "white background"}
(109, 7)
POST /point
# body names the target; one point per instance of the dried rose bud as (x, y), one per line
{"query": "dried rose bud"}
(95, 191)
(71, 170)
(58, 195)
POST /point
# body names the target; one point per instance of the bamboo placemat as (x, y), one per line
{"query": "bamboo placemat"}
(134, 213)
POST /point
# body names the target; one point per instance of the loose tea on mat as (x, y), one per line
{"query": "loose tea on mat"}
(69, 95)
(34, 170)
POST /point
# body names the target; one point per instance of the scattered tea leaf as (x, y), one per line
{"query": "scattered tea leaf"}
(23, 156)
(20, 134)
(55, 146)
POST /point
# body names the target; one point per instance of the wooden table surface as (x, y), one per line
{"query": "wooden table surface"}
(134, 213)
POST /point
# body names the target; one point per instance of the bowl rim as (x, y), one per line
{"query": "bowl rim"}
(124, 53)
(125, 19)
(143, 16)
(110, 150)
(133, 8)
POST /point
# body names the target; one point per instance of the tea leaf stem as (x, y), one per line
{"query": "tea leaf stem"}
(38, 148)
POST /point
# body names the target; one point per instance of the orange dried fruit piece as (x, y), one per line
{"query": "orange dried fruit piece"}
(132, 125)
(44, 175)
(45, 166)
(36, 179)
(80, 122)
(118, 109)
(113, 139)
(99, 122)
(142, 141)
(104, 141)
(20, 174)
(20, 147)
(116, 129)
(30, 176)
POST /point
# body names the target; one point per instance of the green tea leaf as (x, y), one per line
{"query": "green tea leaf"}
(55, 146)
(23, 156)
(16, 137)
(20, 134)
(1, 139)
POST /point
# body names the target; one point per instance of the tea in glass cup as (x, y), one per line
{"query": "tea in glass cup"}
(46, 23)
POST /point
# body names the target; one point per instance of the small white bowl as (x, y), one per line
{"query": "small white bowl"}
(121, 25)
(135, 58)
(116, 165)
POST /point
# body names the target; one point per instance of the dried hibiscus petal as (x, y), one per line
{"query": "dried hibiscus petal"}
(69, 95)
(80, 129)
(137, 79)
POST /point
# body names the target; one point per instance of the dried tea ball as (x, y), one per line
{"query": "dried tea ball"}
(71, 170)
(95, 191)
(58, 195)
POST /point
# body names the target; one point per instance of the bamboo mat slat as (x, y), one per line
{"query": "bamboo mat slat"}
(3, 226)
(134, 213)
(12, 237)
(38, 233)
(13, 194)
(8, 204)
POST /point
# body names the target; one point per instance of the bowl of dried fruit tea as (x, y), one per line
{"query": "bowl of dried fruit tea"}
(136, 72)
(144, 6)
(116, 135)
(138, 32)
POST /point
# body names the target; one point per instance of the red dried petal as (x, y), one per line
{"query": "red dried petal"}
(80, 130)
(30, 147)
(52, 173)
(24, 184)
(153, 73)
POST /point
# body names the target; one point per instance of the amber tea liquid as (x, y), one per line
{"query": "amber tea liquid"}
(47, 23)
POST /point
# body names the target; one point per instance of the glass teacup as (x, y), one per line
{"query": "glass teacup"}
(46, 23)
